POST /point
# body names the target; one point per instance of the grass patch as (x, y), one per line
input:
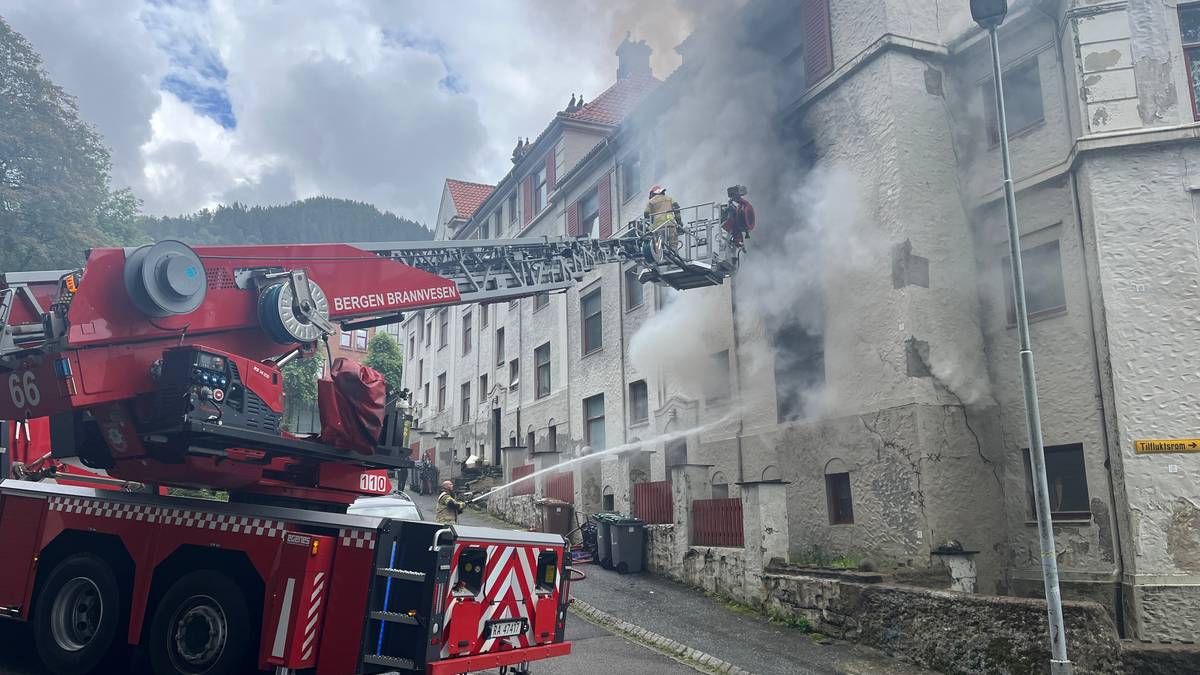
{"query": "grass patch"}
(773, 615)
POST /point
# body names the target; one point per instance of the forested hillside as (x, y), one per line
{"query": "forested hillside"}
(311, 220)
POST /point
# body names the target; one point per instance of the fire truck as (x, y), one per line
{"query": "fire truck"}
(161, 366)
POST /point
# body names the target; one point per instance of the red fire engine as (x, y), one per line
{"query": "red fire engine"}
(161, 366)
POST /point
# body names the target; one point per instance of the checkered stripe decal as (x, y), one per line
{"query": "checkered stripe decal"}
(357, 538)
(259, 527)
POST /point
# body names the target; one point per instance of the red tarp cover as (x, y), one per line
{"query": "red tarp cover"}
(351, 403)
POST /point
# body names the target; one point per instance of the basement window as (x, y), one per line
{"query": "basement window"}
(838, 498)
(1066, 478)
(1044, 293)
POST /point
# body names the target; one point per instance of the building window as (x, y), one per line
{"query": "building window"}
(589, 214)
(412, 345)
(1066, 479)
(635, 295)
(1022, 99)
(484, 311)
(539, 189)
(514, 375)
(466, 333)
(593, 421)
(718, 380)
(1189, 29)
(360, 340)
(483, 388)
(540, 300)
(420, 371)
(1044, 293)
(443, 328)
(428, 333)
(441, 392)
(639, 402)
(631, 179)
(466, 402)
(426, 399)
(345, 340)
(531, 441)
(837, 495)
(799, 370)
(512, 208)
(552, 438)
(541, 364)
(593, 326)
(483, 229)
(499, 347)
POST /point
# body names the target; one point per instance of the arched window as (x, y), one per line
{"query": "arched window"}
(837, 493)
(720, 486)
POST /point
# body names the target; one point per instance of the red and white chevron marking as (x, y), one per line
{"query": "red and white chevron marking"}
(508, 592)
(313, 618)
(259, 527)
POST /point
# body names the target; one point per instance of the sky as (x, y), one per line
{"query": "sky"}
(264, 101)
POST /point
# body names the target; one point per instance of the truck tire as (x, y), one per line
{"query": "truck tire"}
(202, 627)
(76, 614)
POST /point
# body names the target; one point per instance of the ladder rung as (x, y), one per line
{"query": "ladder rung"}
(394, 662)
(394, 617)
(407, 575)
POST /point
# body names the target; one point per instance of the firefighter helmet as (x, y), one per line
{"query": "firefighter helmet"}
(658, 190)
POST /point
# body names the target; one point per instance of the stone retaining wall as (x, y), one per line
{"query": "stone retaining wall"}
(715, 569)
(944, 630)
(521, 510)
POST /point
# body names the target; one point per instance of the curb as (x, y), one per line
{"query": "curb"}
(694, 658)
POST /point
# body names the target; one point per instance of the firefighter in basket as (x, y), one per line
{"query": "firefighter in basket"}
(662, 215)
(737, 219)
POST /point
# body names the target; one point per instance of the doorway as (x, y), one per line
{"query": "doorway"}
(496, 437)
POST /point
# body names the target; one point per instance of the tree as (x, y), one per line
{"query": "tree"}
(53, 166)
(300, 378)
(384, 355)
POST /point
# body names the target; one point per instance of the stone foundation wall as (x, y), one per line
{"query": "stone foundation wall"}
(944, 630)
(521, 510)
(715, 569)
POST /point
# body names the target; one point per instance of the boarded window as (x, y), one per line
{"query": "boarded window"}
(1022, 100)
(1066, 479)
(1044, 292)
(837, 494)
(818, 44)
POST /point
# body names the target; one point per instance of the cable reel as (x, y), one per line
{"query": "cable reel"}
(286, 320)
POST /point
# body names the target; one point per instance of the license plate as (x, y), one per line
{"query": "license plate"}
(499, 629)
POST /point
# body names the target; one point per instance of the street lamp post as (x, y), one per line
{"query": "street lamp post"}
(989, 14)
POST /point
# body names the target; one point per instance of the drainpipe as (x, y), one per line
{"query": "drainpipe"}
(737, 373)
(1119, 605)
(1097, 370)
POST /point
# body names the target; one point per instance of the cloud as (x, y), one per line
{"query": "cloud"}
(207, 101)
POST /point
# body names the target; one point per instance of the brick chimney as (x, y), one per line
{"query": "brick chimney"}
(633, 59)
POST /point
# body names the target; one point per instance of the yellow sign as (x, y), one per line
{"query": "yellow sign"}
(1175, 445)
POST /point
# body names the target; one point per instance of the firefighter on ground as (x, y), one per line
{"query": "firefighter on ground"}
(662, 213)
(448, 507)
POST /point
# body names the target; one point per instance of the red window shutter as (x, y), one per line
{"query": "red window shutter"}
(573, 220)
(605, 200)
(526, 200)
(551, 179)
(818, 44)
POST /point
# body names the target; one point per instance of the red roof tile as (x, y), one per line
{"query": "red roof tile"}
(468, 197)
(612, 106)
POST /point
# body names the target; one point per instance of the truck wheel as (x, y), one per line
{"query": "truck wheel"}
(201, 627)
(76, 614)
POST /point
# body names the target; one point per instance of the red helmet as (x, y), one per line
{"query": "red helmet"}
(658, 190)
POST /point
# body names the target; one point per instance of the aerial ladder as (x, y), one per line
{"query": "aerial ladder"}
(161, 366)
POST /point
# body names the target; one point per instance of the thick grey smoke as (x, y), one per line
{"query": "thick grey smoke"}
(722, 127)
